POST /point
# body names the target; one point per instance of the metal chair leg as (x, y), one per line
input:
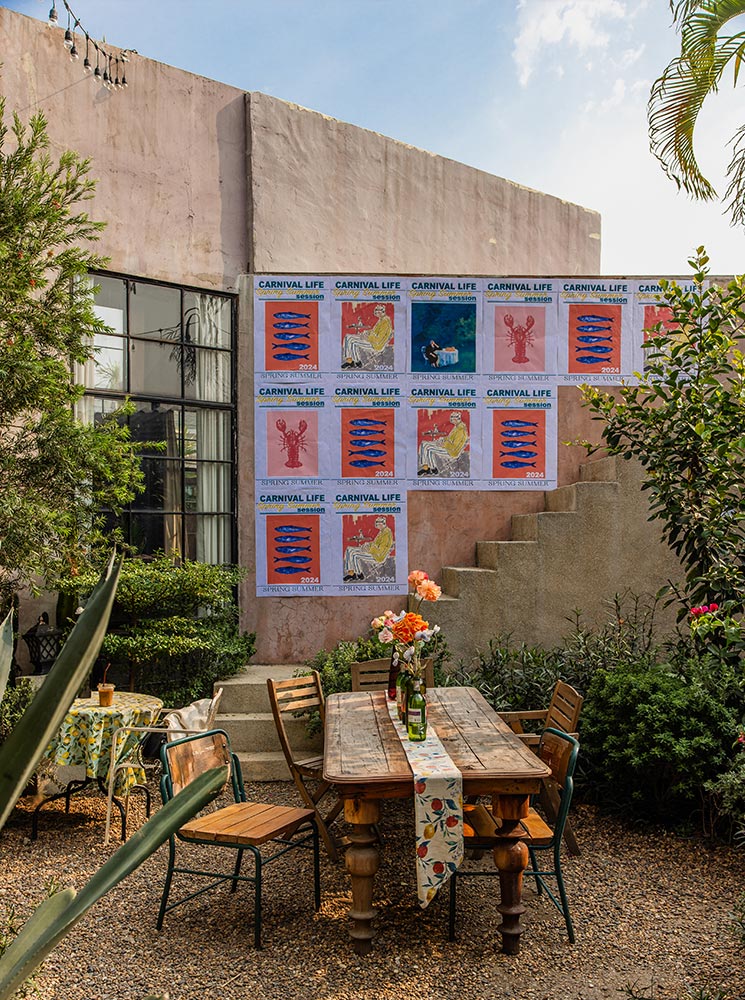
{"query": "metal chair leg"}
(257, 899)
(316, 868)
(237, 870)
(167, 886)
(451, 911)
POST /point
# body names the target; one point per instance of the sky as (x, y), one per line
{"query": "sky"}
(550, 94)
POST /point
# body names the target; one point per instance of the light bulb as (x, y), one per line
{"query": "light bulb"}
(124, 81)
(53, 18)
(74, 54)
(67, 41)
(87, 68)
(97, 73)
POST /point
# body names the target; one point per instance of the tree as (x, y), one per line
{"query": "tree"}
(685, 423)
(678, 95)
(55, 471)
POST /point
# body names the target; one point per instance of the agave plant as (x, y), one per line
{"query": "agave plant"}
(20, 754)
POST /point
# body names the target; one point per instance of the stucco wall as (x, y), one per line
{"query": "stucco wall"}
(200, 183)
(169, 154)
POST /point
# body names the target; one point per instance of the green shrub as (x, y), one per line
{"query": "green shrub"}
(174, 627)
(14, 703)
(652, 739)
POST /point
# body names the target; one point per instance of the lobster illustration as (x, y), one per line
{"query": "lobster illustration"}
(520, 338)
(293, 442)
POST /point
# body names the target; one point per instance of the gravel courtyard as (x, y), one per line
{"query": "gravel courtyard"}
(650, 910)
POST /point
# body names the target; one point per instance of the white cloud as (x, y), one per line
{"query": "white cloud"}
(546, 23)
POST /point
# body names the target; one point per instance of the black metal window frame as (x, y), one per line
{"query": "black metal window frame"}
(181, 401)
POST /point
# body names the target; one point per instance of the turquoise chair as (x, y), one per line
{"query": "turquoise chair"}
(481, 829)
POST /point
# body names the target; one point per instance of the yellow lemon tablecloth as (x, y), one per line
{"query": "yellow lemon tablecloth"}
(87, 731)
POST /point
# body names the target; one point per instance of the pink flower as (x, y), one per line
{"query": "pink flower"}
(428, 590)
(416, 577)
(385, 635)
(713, 607)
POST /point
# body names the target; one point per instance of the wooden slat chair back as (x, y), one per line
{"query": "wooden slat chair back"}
(559, 750)
(562, 713)
(372, 675)
(299, 696)
(243, 826)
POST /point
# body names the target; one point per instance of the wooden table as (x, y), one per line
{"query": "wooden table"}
(366, 762)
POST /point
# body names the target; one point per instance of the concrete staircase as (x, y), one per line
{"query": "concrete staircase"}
(593, 540)
(246, 716)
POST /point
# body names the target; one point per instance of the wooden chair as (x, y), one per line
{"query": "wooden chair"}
(299, 696)
(559, 750)
(562, 713)
(372, 675)
(242, 826)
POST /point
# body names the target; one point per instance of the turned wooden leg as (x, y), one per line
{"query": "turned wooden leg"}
(362, 860)
(511, 859)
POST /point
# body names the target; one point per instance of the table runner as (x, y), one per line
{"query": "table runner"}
(438, 809)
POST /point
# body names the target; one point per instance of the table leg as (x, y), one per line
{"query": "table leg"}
(362, 861)
(511, 859)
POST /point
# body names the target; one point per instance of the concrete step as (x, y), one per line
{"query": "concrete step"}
(255, 732)
(602, 470)
(564, 498)
(246, 692)
(264, 767)
(524, 527)
(506, 557)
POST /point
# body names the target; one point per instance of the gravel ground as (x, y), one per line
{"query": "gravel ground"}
(649, 909)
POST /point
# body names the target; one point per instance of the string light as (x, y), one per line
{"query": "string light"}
(110, 77)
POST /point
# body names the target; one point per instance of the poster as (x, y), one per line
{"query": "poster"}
(520, 326)
(444, 318)
(649, 310)
(368, 324)
(291, 536)
(443, 436)
(291, 325)
(520, 435)
(596, 331)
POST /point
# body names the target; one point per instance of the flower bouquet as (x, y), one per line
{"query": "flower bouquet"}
(408, 632)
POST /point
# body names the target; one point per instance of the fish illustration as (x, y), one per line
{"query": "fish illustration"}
(519, 423)
(364, 442)
(515, 444)
(518, 465)
(595, 349)
(291, 538)
(591, 318)
(519, 454)
(289, 326)
(516, 434)
(363, 463)
(290, 527)
(297, 560)
(290, 569)
(365, 432)
(364, 422)
(592, 360)
(593, 328)
(291, 315)
(594, 340)
(292, 357)
(289, 549)
(291, 336)
(291, 347)
(369, 452)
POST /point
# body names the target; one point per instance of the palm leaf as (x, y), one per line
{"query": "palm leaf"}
(678, 95)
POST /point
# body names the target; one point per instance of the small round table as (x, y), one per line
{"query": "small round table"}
(85, 737)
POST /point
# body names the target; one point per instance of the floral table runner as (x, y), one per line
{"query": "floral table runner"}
(438, 809)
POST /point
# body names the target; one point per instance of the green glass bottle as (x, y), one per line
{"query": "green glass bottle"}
(402, 693)
(416, 713)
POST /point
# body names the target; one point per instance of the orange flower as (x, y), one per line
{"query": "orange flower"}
(407, 628)
(416, 577)
(428, 590)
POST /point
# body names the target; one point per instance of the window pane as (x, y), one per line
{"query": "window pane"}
(207, 487)
(162, 485)
(208, 539)
(206, 375)
(154, 312)
(207, 435)
(111, 294)
(109, 363)
(151, 533)
(207, 320)
(157, 422)
(154, 368)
